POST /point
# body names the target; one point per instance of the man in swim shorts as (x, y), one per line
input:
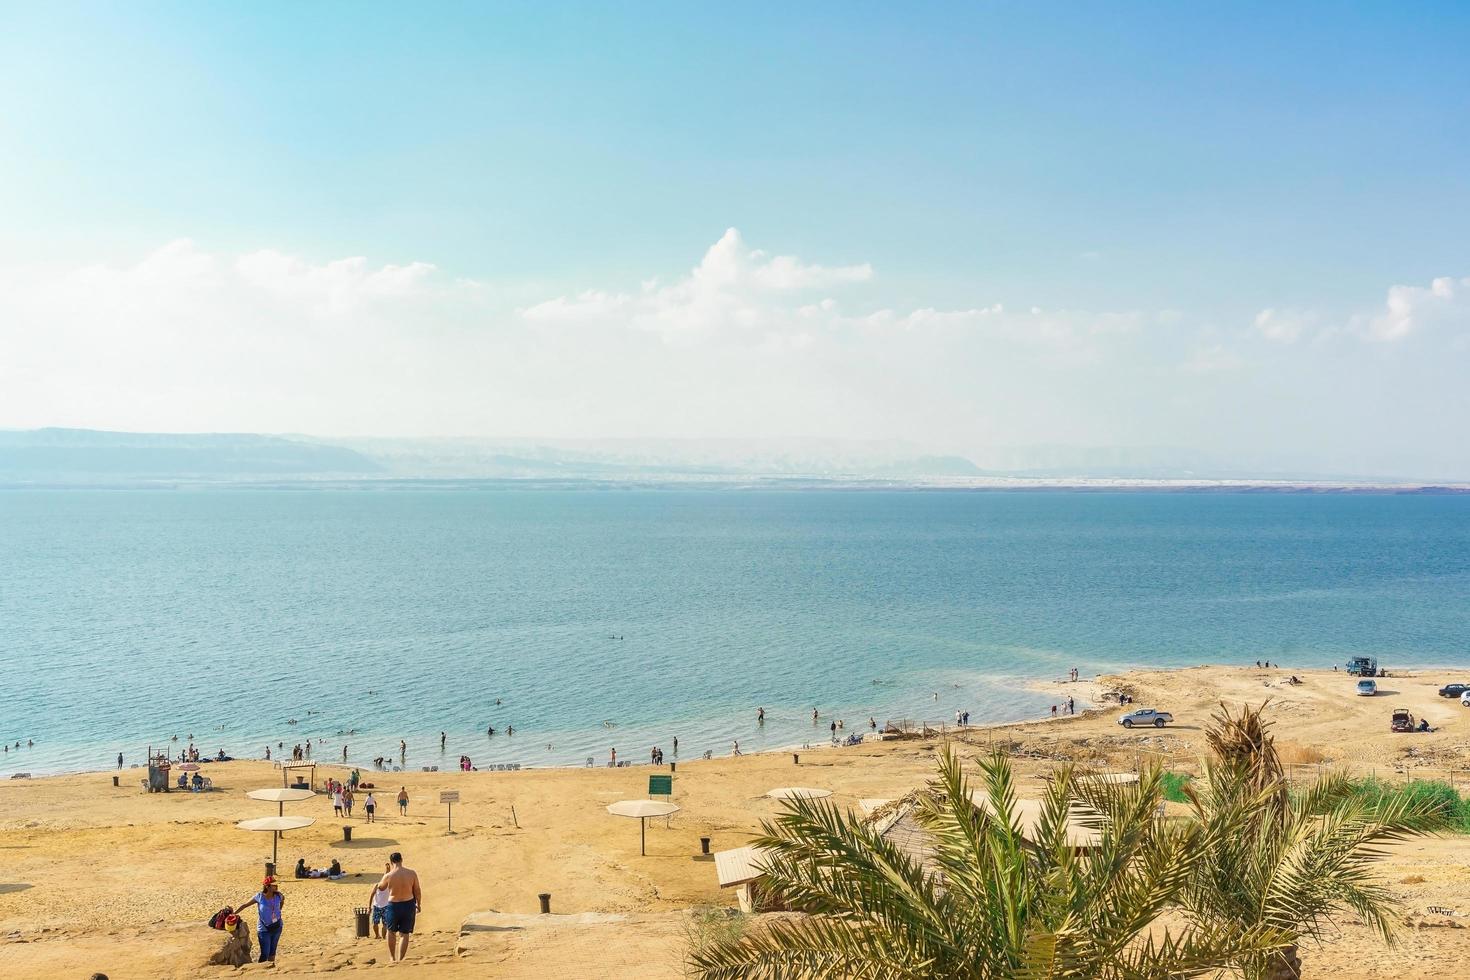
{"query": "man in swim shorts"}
(405, 900)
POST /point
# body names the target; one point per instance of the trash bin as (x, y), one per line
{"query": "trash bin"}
(361, 915)
(347, 833)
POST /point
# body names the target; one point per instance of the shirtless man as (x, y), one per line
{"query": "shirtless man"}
(404, 902)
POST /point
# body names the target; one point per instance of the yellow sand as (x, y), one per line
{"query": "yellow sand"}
(97, 878)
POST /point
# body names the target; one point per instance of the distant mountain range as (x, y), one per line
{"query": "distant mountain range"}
(87, 457)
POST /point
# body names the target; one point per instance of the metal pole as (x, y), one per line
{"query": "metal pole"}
(643, 836)
(275, 840)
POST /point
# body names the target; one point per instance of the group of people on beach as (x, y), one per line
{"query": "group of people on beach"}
(1069, 707)
(396, 901)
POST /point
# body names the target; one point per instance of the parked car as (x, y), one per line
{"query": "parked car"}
(1401, 721)
(1465, 699)
(1367, 688)
(1453, 690)
(1145, 716)
(1363, 667)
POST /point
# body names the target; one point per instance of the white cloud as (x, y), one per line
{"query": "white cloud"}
(1283, 326)
(744, 344)
(732, 288)
(737, 294)
(1410, 308)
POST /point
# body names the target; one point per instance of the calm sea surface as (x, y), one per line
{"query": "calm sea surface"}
(625, 618)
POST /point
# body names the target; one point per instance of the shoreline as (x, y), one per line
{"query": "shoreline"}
(1090, 695)
(546, 830)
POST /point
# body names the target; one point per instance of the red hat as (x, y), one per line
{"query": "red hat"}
(269, 880)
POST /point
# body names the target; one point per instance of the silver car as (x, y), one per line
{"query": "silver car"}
(1146, 716)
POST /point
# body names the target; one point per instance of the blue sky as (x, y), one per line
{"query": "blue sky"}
(1189, 167)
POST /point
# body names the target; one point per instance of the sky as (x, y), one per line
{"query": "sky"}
(1243, 230)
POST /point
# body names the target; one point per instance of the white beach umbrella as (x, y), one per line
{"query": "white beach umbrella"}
(798, 793)
(276, 826)
(280, 795)
(642, 809)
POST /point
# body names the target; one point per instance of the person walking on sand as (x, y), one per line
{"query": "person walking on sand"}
(119, 758)
(405, 902)
(380, 906)
(370, 805)
(347, 802)
(336, 800)
(737, 747)
(269, 901)
(403, 801)
(612, 758)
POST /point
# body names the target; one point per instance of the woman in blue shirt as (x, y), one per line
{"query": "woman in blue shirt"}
(269, 900)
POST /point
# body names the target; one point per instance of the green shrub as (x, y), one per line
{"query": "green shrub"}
(1174, 783)
(1442, 796)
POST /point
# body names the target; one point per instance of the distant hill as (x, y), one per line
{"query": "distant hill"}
(88, 456)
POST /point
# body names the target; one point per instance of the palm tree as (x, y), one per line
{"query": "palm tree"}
(982, 900)
(1295, 860)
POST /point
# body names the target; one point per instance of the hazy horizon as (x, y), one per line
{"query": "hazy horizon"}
(1231, 238)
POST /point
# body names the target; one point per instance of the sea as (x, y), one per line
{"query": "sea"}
(594, 619)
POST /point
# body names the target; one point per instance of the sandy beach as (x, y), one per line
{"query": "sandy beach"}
(111, 879)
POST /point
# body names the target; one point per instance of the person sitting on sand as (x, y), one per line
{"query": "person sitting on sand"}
(301, 871)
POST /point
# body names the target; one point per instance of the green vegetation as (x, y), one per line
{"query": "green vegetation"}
(1255, 868)
(1435, 796)
(707, 927)
(1174, 784)
(982, 897)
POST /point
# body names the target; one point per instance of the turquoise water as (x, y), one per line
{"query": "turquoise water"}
(128, 617)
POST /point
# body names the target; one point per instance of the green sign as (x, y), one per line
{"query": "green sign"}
(660, 785)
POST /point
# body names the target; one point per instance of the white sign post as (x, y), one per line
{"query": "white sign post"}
(449, 797)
